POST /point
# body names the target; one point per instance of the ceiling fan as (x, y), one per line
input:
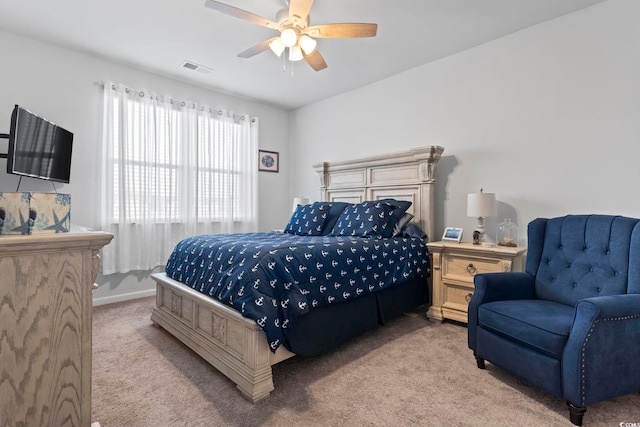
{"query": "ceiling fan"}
(295, 32)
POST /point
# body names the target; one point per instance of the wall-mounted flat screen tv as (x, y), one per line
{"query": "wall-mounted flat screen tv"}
(38, 148)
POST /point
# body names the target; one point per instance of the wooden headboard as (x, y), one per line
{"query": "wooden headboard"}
(405, 175)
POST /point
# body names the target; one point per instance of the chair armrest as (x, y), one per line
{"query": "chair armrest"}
(503, 286)
(496, 287)
(600, 358)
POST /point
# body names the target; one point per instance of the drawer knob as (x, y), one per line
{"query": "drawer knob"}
(468, 296)
(472, 269)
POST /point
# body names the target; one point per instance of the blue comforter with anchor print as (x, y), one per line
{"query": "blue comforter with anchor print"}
(273, 278)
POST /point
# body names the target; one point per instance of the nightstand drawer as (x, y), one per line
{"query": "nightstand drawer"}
(457, 297)
(464, 267)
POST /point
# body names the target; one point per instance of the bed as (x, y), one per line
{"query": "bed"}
(208, 319)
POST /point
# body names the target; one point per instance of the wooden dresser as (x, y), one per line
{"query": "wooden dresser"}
(45, 327)
(453, 267)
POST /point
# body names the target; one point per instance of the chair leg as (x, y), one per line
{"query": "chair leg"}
(576, 413)
(480, 362)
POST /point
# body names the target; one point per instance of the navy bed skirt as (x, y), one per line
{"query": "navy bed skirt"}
(326, 328)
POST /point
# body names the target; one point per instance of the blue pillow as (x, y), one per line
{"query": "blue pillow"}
(309, 220)
(412, 230)
(401, 207)
(371, 218)
(336, 209)
(400, 225)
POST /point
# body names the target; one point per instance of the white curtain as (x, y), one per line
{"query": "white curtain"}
(172, 169)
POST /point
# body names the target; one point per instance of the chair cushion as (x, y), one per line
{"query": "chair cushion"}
(538, 324)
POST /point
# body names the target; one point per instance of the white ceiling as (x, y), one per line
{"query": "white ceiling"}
(159, 35)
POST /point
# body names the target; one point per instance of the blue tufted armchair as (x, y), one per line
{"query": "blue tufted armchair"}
(569, 324)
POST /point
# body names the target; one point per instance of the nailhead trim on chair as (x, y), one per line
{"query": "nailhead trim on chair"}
(584, 349)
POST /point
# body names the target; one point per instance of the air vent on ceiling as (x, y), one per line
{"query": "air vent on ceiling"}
(196, 67)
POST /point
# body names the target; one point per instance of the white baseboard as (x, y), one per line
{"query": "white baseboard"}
(123, 297)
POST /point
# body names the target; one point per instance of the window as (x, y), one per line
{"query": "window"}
(170, 170)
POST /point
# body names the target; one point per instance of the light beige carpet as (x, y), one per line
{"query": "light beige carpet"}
(412, 372)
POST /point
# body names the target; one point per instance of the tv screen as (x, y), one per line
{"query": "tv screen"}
(38, 148)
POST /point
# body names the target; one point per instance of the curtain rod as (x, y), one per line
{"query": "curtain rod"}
(181, 103)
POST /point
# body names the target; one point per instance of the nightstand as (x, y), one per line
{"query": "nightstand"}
(453, 266)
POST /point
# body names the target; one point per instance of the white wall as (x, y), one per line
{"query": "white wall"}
(547, 118)
(61, 85)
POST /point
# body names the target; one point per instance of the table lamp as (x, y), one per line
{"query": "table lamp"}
(299, 201)
(481, 205)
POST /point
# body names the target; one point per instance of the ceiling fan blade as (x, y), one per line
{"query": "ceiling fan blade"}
(299, 8)
(315, 60)
(254, 50)
(342, 31)
(240, 13)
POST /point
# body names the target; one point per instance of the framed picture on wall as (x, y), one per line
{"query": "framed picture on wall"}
(268, 161)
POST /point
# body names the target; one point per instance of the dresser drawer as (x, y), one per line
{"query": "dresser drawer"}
(465, 267)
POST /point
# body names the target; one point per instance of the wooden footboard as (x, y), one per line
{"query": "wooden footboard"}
(234, 345)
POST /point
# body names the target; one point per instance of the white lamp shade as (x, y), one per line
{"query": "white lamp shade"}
(289, 37)
(481, 205)
(277, 46)
(295, 53)
(307, 44)
(299, 201)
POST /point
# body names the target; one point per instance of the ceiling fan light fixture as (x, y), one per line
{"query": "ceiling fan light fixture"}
(295, 53)
(307, 44)
(289, 37)
(277, 46)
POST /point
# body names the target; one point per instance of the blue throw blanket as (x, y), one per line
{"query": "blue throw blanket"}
(273, 278)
